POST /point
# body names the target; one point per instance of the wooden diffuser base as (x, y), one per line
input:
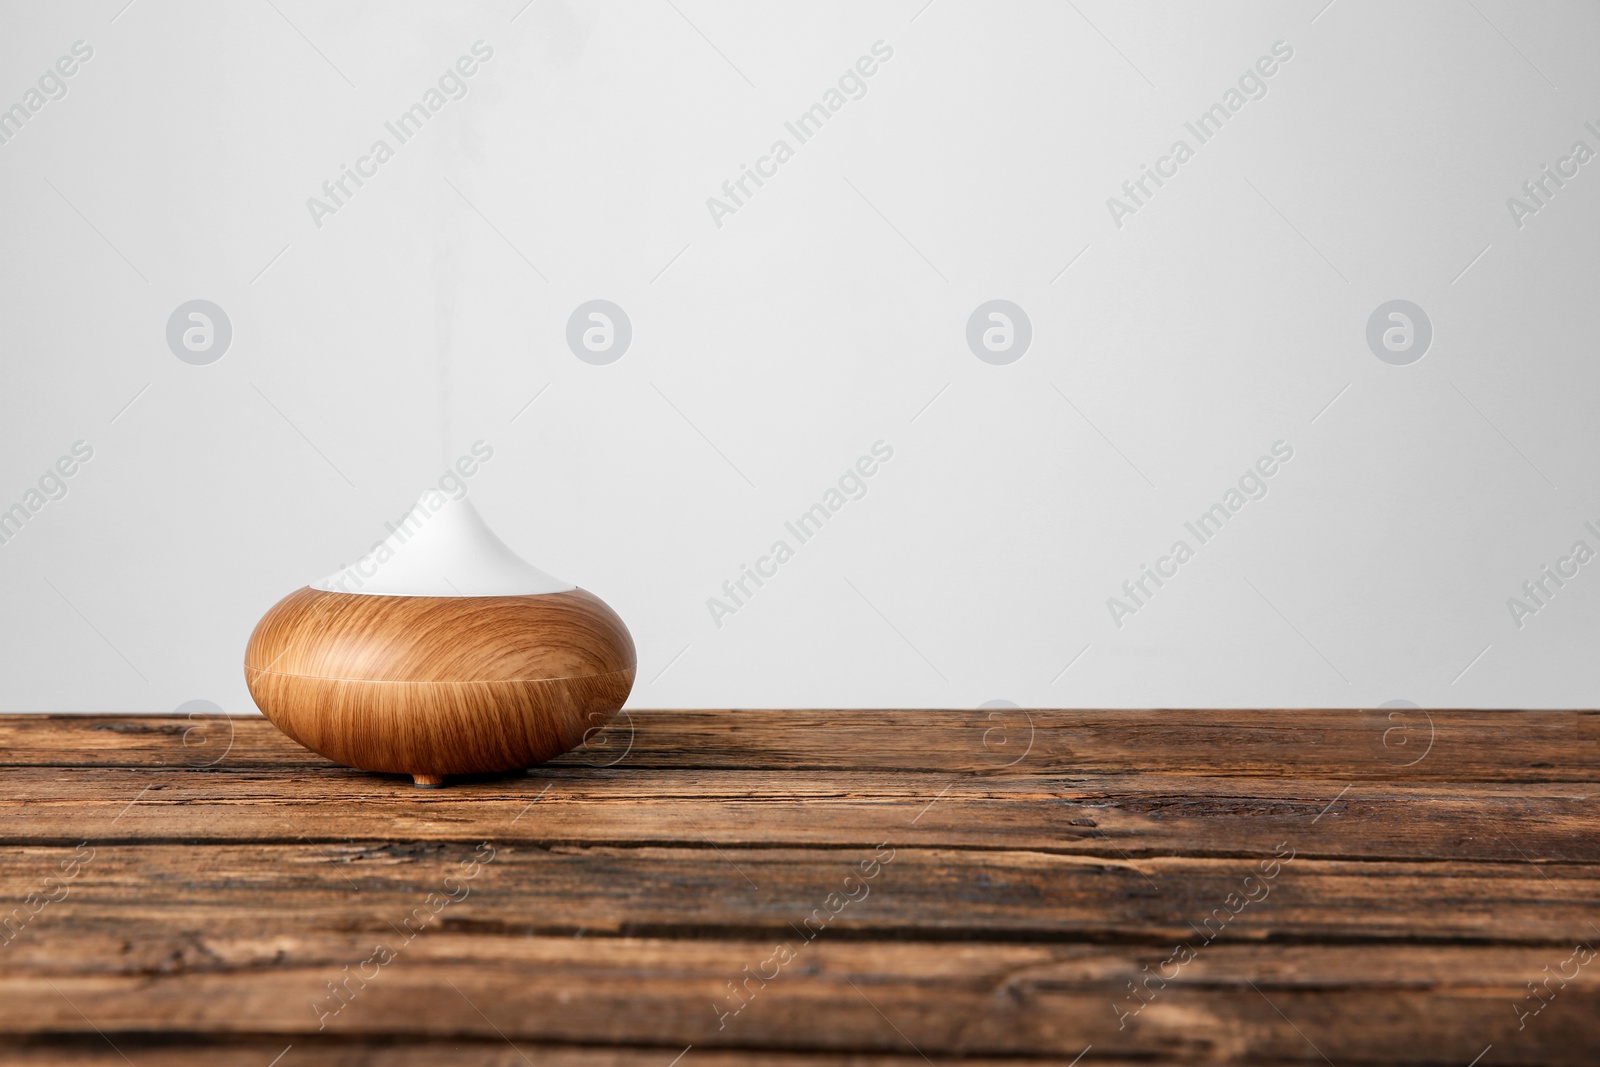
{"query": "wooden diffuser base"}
(431, 685)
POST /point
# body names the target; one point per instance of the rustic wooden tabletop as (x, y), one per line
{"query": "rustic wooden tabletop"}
(807, 887)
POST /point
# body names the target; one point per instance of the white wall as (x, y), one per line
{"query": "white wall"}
(1226, 313)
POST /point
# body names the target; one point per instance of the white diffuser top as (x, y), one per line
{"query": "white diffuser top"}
(442, 548)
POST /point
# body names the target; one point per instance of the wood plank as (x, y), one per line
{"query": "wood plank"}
(1124, 816)
(1371, 744)
(411, 1051)
(1023, 896)
(1352, 1004)
(154, 894)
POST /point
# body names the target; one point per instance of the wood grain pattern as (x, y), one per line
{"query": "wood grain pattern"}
(430, 686)
(414, 1051)
(1125, 816)
(377, 1051)
(1420, 1004)
(627, 892)
(1375, 745)
(931, 895)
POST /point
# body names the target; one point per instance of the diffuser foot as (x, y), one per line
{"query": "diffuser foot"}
(428, 781)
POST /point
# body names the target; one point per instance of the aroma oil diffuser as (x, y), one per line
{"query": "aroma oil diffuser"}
(440, 652)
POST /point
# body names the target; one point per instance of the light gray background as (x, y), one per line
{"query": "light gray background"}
(829, 313)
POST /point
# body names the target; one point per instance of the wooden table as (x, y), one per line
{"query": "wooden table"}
(804, 887)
